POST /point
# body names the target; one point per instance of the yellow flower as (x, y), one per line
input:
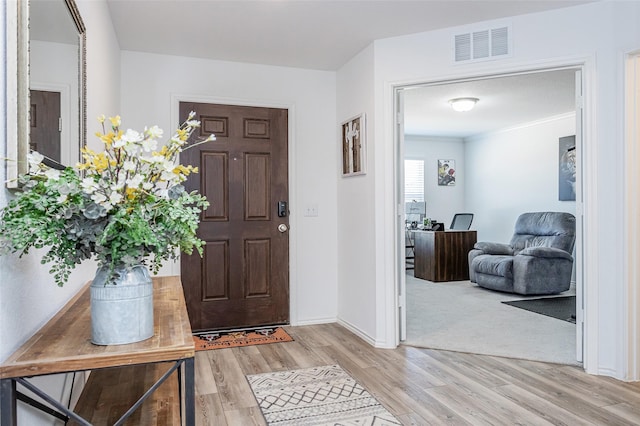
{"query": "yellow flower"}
(107, 139)
(183, 134)
(185, 170)
(88, 151)
(181, 170)
(101, 118)
(130, 193)
(100, 162)
(115, 121)
(162, 153)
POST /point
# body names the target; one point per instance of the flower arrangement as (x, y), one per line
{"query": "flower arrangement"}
(122, 205)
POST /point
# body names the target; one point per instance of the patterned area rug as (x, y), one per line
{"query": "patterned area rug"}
(232, 339)
(317, 396)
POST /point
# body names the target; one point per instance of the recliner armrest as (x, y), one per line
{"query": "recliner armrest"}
(494, 248)
(549, 252)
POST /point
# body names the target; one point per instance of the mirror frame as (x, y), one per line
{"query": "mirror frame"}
(18, 104)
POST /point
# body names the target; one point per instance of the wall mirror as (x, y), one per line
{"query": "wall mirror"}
(46, 109)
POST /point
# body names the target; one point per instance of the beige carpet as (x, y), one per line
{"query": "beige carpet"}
(460, 316)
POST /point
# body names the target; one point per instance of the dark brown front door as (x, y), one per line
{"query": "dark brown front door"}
(242, 280)
(45, 123)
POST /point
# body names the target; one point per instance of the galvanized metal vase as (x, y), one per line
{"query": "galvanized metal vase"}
(121, 305)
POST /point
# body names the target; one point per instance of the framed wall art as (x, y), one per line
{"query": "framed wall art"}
(567, 168)
(446, 172)
(353, 133)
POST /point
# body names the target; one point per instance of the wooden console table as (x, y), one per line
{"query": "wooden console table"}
(443, 255)
(63, 345)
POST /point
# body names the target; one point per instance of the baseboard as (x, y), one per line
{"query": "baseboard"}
(355, 330)
(315, 321)
(609, 372)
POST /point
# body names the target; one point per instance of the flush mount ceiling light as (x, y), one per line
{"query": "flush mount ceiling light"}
(463, 104)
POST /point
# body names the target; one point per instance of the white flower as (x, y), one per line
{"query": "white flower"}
(168, 165)
(99, 198)
(135, 181)
(89, 185)
(154, 132)
(167, 175)
(52, 174)
(162, 192)
(149, 145)
(132, 149)
(129, 166)
(35, 158)
(132, 136)
(115, 197)
(193, 123)
(116, 186)
(175, 140)
(119, 143)
(62, 198)
(147, 185)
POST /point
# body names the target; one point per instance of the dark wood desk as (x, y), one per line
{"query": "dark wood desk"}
(443, 255)
(63, 345)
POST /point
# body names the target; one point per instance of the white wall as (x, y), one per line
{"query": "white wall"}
(28, 294)
(442, 202)
(514, 171)
(598, 35)
(356, 264)
(151, 85)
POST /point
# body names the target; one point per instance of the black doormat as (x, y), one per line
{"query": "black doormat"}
(562, 308)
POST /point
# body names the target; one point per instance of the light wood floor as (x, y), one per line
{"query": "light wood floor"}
(419, 386)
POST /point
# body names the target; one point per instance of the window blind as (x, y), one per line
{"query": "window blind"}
(413, 180)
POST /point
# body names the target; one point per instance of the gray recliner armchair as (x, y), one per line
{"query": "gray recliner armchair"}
(538, 259)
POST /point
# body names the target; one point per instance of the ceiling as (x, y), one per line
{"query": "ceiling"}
(325, 34)
(313, 34)
(503, 102)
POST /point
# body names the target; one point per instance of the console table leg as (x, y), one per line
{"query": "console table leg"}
(189, 392)
(8, 415)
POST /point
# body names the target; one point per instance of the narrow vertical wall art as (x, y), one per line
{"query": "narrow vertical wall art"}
(567, 168)
(353, 146)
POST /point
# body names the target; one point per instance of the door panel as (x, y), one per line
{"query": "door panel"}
(214, 169)
(45, 123)
(242, 279)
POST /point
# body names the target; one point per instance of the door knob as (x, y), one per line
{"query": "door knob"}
(282, 227)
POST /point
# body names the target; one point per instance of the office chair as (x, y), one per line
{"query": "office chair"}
(461, 221)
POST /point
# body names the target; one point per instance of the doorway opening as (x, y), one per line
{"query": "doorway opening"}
(491, 181)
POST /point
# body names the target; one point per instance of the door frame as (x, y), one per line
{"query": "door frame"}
(293, 217)
(586, 218)
(631, 296)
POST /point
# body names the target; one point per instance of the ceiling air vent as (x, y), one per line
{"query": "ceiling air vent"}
(482, 45)
(500, 41)
(463, 47)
